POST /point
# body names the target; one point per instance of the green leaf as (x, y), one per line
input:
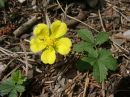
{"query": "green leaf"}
(103, 63)
(91, 60)
(83, 46)
(2, 3)
(99, 72)
(110, 63)
(92, 57)
(6, 86)
(93, 53)
(101, 38)
(104, 52)
(86, 35)
(13, 93)
(83, 65)
(12, 85)
(17, 77)
(79, 47)
(100, 59)
(20, 88)
(106, 58)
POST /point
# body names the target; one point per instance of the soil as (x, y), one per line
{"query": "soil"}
(62, 79)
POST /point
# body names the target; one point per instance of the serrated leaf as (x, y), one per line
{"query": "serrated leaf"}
(79, 47)
(86, 35)
(91, 60)
(93, 53)
(2, 3)
(110, 63)
(6, 86)
(13, 93)
(83, 65)
(101, 38)
(104, 52)
(92, 57)
(12, 85)
(83, 46)
(20, 88)
(102, 61)
(99, 72)
(17, 77)
(106, 58)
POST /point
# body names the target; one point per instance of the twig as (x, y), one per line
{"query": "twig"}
(24, 27)
(5, 20)
(45, 3)
(82, 15)
(103, 91)
(121, 14)
(7, 52)
(115, 8)
(26, 58)
(76, 19)
(126, 56)
(86, 85)
(30, 66)
(99, 13)
(11, 72)
(119, 46)
(23, 53)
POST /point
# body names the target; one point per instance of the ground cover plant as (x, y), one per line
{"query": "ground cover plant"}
(13, 85)
(93, 54)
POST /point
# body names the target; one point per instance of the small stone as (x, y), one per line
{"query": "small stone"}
(127, 34)
(21, 1)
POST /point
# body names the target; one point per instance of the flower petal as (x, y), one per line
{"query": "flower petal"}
(58, 29)
(37, 45)
(48, 56)
(41, 30)
(63, 46)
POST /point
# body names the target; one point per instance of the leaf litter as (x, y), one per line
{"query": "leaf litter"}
(65, 80)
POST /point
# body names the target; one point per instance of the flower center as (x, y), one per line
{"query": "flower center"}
(50, 42)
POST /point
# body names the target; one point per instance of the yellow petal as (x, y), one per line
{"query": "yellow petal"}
(48, 56)
(41, 30)
(36, 45)
(58, 29)
(63, 46)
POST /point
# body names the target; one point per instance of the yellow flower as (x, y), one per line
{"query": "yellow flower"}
(50, 41)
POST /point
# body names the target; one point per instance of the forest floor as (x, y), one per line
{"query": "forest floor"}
(62, 79)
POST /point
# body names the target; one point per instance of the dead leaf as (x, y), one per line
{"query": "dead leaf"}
(117, 38)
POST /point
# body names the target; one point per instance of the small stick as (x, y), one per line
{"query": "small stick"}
(76, 18)
(115, 8)
(86, 85)
(82, 15)
(26, 58)
(24, 27)
(102, 90)
(119, 46)
(6, 76)
(101, 21)
(8, 53)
